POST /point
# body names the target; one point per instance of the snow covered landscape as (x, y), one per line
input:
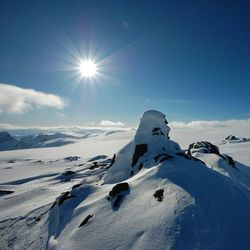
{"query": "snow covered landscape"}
(125, 189)
(124, 125)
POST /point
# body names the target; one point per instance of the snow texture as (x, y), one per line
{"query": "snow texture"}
(151, 195)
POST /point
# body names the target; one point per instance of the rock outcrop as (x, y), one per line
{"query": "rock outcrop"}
(208, 148)
(151, 141)
(234, 139)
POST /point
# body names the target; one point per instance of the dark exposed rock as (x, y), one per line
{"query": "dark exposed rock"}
(94, 165)
(112, 161)
(162, 157)
(65, 196)
(86, 220)
(118, 192)
(54, 203)
(72, 158)
(119, 188)
(159, 194)
(38, 218)
(11, 161)
(209, 148)
(204, 147)
(6, 192)
(98, 165)
(76, 186)
(157, 131)
(234, 139)
(229, 160)
(69, 172)
(67, 176)
(165, 158)
(231, 138)
(140, 150)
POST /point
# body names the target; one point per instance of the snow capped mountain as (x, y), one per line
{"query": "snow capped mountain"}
(151, 140)
(135, 191)
(5, 136)
(8, 142)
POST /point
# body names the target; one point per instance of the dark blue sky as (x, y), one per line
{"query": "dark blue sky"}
(188, 59)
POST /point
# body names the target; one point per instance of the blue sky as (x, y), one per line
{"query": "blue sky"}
(188, 59)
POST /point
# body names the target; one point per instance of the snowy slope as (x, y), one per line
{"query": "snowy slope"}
(168, 199)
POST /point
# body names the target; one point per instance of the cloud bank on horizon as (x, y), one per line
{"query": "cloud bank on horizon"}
(16, 100)
(182, 132)
(214, 131)
(211, 124)
(106, 123)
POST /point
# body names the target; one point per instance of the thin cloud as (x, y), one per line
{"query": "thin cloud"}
(111, 124)
(16, 100)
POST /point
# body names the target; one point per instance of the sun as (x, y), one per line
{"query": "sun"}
(88, 68)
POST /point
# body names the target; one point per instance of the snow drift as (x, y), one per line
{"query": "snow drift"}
(150, 195)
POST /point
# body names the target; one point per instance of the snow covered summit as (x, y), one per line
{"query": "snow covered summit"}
(151, 139)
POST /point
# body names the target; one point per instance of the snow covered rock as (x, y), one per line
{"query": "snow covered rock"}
(234, 139)
(208, 148)
(72, 158)
(203, 147)
(5, 192)
(151, 140)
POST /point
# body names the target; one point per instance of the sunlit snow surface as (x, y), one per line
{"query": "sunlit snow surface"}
(204, 206)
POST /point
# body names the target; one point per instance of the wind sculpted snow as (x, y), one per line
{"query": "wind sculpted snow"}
(154, 195)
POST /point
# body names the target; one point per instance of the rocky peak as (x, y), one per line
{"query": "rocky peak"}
(151, 142)
(152, 124)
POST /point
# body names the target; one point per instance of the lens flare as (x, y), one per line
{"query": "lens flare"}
(88, 68)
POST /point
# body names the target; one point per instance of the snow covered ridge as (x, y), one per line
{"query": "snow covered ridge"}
(8, 142)
(149, 195)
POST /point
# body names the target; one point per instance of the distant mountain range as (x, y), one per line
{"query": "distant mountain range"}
(8, 142)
